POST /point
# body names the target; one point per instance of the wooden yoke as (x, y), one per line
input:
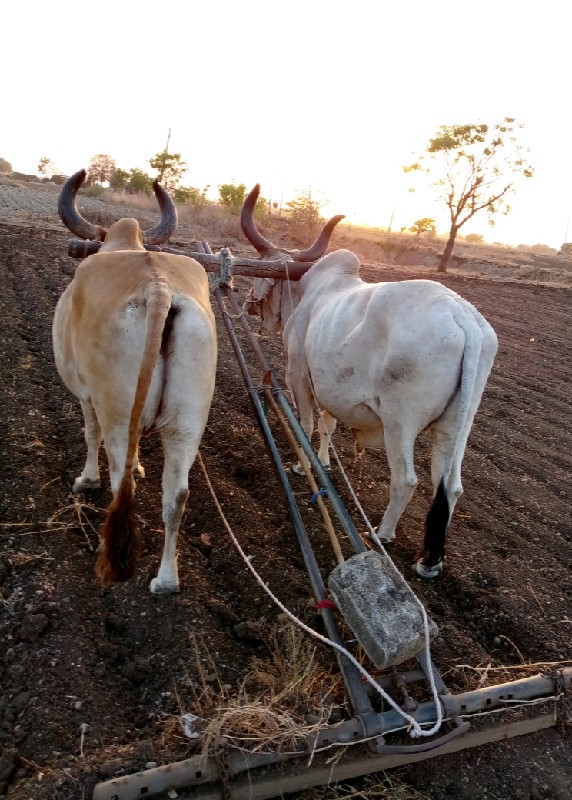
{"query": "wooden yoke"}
(251, 267)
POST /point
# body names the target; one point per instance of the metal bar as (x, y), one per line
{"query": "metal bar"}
(356, 690)
(332, 494)
(355, 687)
(196, 771)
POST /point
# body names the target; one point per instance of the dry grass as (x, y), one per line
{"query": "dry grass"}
(74, 517)
(379, 786)
(270, 710)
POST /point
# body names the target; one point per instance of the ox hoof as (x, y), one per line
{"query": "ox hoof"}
(428, 572)
(84, 484)
(155, 587)
(139, 471)
(297, 469)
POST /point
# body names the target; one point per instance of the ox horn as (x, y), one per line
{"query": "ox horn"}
(266, 248)
(166, 227)
(256, 239)
(69, 214)
(77, 224)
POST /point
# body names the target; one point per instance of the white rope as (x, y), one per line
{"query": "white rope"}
(415, 728)
(375, 537)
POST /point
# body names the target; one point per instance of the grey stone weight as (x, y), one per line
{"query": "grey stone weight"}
(380, 608)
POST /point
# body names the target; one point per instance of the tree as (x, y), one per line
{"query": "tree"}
(305, 213)
(119, 179)
(196, 198)
(476, 167)
(231, 196)
(100, 169)
(139, 181)
(170, 167)
(46, 167)
(423, 225)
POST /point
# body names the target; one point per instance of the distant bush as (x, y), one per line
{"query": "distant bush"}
(566, 249)
(5, 166)
(542, 249)
(196, 198)
(95, 190)
(475, 238)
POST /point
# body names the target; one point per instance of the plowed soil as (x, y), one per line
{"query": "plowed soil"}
(94, 680)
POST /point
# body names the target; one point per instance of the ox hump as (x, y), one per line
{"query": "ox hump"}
(340, 261)
(125, 234)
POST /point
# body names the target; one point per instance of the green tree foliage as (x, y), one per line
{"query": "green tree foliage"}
(231, 196)
(196, 198)
(423, 225)
(170, 168)
(101, 168)
(304, 213)
(120, 179)
(474, 168)
(139, 181)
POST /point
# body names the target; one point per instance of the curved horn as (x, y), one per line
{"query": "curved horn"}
(166, 227)
(317, 250)
(256, 239)
(69, 214)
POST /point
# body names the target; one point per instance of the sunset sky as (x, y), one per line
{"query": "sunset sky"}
(336, 96)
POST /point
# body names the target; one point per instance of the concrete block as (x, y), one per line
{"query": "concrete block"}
(380, 608)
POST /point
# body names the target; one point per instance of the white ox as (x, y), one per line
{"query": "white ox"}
(388, 360)
(134, 339)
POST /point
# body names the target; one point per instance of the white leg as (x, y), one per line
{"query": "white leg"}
(326, 427)
(180, 453)
(399, 450)
(89, 478)
(304, 407)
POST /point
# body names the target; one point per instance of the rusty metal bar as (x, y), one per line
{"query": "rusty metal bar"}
(198, 770)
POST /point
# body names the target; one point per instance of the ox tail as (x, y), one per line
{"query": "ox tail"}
(450, 489)
(120, 544)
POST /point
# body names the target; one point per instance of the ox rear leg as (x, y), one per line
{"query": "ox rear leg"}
(326, 427)
(179, 457)
(306, 416)
(447, 488)
(89, 478)
(399, 451)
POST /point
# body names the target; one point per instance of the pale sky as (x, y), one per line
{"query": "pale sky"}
(322, 93)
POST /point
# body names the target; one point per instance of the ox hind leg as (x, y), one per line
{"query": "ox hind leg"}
(89, 478)
(447, 488)
(399, 442)
(180, 452)
(326, 426)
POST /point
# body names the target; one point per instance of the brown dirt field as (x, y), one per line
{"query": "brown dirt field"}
(127, 664)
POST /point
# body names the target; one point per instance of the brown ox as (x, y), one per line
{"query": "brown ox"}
(134, 339)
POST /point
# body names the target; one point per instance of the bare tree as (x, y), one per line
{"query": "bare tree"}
(476, 166)
(101, 168)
